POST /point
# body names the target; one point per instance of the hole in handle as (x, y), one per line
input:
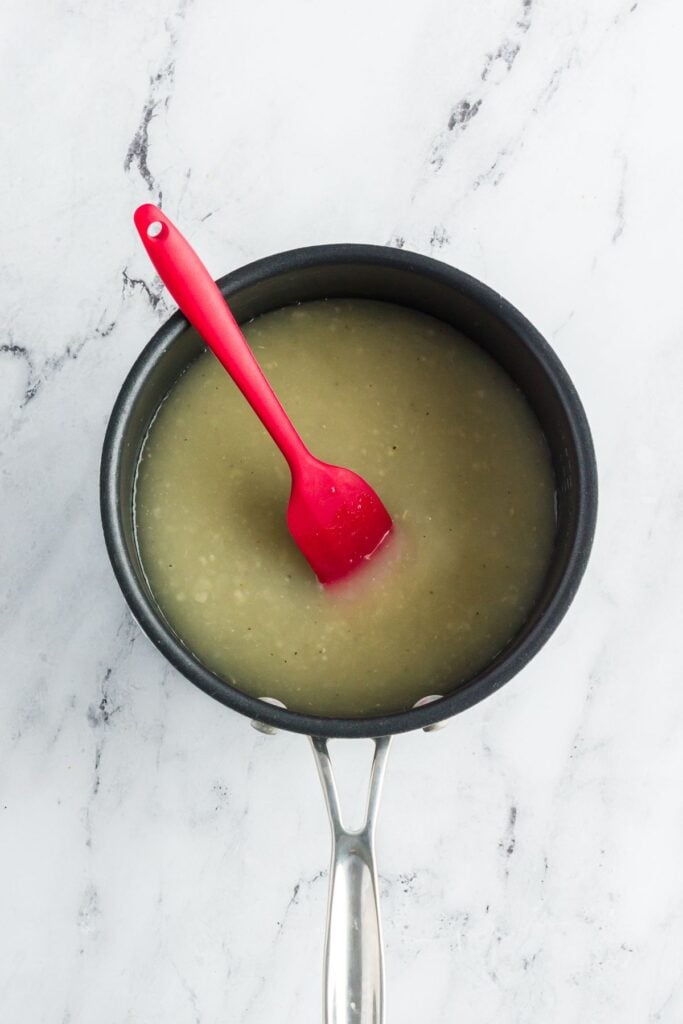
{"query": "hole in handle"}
(155, 229)
(351, 766)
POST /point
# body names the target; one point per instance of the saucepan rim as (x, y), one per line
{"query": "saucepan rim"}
(488, 680)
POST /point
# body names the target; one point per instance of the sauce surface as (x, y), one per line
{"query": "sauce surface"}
(445, 438)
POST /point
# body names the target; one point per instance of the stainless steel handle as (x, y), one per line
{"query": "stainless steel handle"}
(354, 959)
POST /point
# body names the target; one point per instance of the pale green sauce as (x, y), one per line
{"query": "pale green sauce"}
(445, 438)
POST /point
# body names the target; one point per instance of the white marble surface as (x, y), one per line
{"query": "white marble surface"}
(159, 860)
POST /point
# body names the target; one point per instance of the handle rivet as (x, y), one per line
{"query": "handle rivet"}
(267, 730)
(430, 700)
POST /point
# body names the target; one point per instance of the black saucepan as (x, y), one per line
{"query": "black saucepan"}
(354, 969)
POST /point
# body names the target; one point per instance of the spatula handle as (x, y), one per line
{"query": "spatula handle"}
(201, 301)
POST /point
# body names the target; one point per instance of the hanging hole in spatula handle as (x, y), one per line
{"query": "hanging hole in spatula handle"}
(155, 229)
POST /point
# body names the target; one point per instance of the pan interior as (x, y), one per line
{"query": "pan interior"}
(420, 284)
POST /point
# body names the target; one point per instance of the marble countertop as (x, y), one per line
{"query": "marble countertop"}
(161, 861)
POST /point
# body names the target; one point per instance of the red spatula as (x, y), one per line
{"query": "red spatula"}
(333, 515)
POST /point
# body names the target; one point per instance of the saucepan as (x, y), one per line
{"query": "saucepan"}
(353, 989)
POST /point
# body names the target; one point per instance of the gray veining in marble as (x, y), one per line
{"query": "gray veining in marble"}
(160, 860)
